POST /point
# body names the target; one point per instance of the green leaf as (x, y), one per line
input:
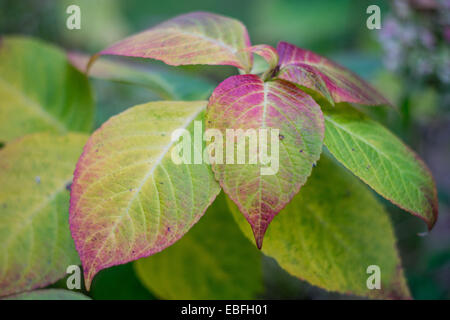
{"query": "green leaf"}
(332, 81)
(381, 160)
(166, 84)
(35, 174)
(40, 90)
(49, 294)
(213, 261)
(294, 130)
(192, 38)
(331, 232)
(129, 199)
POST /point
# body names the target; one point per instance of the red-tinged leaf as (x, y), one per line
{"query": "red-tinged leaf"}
(128, 198)
(268, 53)
(333, 81)
(193, 38)
(246, 102)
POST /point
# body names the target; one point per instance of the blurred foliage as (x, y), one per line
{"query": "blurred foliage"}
(48, 294)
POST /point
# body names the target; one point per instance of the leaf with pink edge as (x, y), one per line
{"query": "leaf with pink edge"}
(334, 82)
(193, 38)
(262, 187)
(129, 199)
(35, 243)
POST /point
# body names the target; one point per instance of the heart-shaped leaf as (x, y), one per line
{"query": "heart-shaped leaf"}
(193, 38)
(49, 294)
(381, 160)
(331, 232)
(129, 199)
(167, 85)
(59, 101)
(213, 261)
(333, 81)
(292, 128)
(35, 174)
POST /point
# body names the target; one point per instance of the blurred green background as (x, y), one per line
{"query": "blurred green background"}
(408, 60)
